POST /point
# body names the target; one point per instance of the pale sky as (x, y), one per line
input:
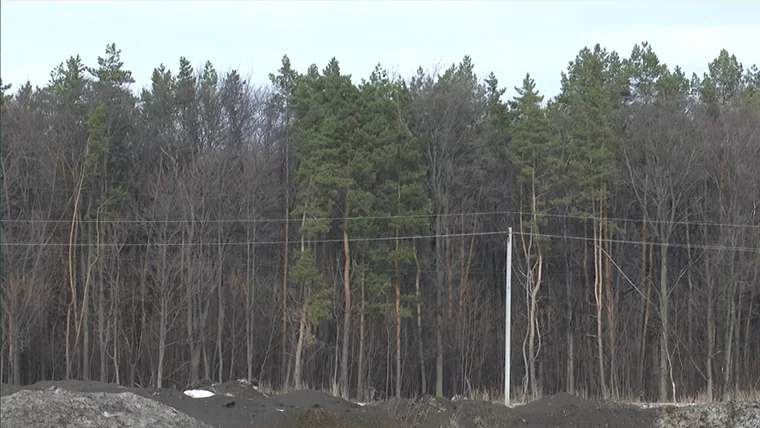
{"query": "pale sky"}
(509, 38)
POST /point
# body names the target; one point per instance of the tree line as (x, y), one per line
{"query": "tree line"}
(324, 232)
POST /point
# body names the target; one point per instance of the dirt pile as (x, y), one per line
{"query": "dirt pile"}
(55, 408)
(232, 406)
(718, 415)
(238, 404)
(568, 410)
(311, 398)
(482, 414)
(433, 412)
(307, 408)
(423, 412)
(237, 389)
(317, 417)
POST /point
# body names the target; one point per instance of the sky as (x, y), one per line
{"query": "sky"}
(509, 38)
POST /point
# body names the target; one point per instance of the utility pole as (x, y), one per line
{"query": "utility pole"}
(507, 321)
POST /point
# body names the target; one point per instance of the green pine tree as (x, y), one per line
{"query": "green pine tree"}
(395, 170)
(332, 164)
(593, 91)
(533, 153)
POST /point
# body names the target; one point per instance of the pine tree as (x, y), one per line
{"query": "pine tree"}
(593, 90)
(3, 97)
(331, 160)
(399, 171)
(188, 109)
(533, 152)
(284, 83)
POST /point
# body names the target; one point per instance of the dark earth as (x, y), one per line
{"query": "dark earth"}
(240, 405)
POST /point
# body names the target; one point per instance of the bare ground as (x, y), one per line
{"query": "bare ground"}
(240, 405)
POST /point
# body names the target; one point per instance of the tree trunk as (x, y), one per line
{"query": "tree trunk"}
(114, 320)
(360, 387)
(220, 332)
(250, 272)
(162, 337)
(233, 341)
(14, 350)
(285, 257)
(206, 362)
(610, 298)
(102, 342)
(298, 369)
(421, 348)
(533, 318)
(347, 309)
(220, 308)
(72, 307)
(710, 331)
(447, 262)
(690, 303)
(195, 351)
(84, 316)
(533, 321)
(447, 268)
(439, 268)
(598, 298)
(462, 320)
(86, 332)
(663, 372)
(746, 353)
(570, 386)
(731, 326)
(397, 307)
(644, 285)
(586, 315)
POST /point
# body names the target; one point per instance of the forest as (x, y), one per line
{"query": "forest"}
(349, 234)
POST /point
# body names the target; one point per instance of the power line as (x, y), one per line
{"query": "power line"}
(653, 243)
(383, 238)
(387, 217)
(252, 243)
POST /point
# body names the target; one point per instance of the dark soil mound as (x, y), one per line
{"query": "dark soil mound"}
(568, 410)
(315, 417)
(433, 412)
(308, 408)
(561, 410)
(237, 389)
(310, 398)
(218, 410)
(481, 414)
(62, 408)
(556, 401)
(426, 411)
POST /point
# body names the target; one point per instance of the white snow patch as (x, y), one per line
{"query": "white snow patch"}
(199, 393)
(362, 404)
